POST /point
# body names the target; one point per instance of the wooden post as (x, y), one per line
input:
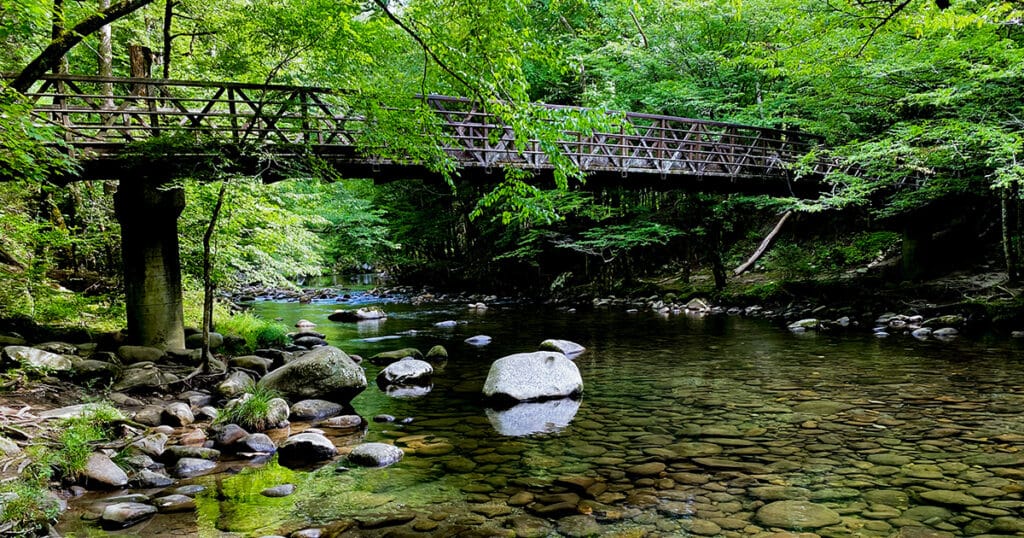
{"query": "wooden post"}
(140, 62)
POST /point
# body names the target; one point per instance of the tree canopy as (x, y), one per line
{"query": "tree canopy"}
(920, 97)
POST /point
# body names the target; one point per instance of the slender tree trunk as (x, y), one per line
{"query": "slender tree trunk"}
(717, 266)
(168, 37)
(62, 43)
(208, 284)
(60, 64)
(1010, 232)
(106, 58)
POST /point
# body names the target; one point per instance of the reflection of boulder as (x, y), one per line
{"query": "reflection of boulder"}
(407, 392)
(534, 417)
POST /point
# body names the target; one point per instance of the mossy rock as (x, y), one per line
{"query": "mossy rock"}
(388, 357)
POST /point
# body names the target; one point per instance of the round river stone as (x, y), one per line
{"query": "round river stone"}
(796, 515)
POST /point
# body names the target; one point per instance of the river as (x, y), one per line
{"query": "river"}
(702, 426)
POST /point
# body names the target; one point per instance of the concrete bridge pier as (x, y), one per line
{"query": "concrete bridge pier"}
(148, 211)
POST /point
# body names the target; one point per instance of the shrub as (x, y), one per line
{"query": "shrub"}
(790, 260)
(256, 331)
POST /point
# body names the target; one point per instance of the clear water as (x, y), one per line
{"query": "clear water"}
(689, 426)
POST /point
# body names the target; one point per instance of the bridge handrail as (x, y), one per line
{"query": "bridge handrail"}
(276, 114)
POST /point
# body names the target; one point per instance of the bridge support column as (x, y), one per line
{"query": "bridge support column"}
(148, 212)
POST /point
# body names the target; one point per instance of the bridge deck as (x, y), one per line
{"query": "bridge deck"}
(102, 116)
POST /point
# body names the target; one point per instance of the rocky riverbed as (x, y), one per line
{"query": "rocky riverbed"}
(688, 425)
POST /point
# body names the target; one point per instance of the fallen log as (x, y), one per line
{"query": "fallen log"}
(763, 246)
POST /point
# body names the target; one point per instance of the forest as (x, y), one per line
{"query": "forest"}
(921, 97)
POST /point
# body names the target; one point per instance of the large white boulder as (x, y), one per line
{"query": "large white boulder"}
(524, 377)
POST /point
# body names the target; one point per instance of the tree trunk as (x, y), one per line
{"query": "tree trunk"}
(1010, 232)
(168, 37)
(59, 64)
(67, 39)
(106, 58)
(208, 283)
(717, 266)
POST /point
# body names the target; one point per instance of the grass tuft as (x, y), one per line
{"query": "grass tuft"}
(251, 410)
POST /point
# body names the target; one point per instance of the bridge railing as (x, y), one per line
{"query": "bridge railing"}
(99, 116)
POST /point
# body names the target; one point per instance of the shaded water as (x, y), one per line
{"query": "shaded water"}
(713, 426)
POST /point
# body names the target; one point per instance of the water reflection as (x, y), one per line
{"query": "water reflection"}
(407, 392)
(533, 417)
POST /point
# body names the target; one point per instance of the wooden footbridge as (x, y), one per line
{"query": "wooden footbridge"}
(102, 117)
(268, 126)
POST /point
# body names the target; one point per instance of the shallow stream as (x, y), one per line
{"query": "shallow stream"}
(716, 426)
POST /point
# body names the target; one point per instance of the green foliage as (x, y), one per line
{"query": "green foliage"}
(257, 332)
(611, 241)
(26, 504)
(78, 437)
(27, 507)
(861, 249)
(263, 233)
(249, 410)
(30, 151)
(791, 261)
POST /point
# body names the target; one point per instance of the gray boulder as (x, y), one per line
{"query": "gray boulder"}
(235, 384)
(152, 445)
(306, 448)
(60, 348)
(309, 341)
(195, 341)
(101, 471)
(375, 455)
(255, 443)
(189, 467)
(144, 376)
(804, 325)
(479, 340)
(389, 357)
(178, 414)
(101, 371)
(8, 447)
(325, 373)
(315, 410)
(121, 515)
(37, 359)
(146, 479)
(134, 354)
(437, 354)
(170, 504)
(565, 347)
(260, 365)
(542, 375)
(406, 372)
(362, 314)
